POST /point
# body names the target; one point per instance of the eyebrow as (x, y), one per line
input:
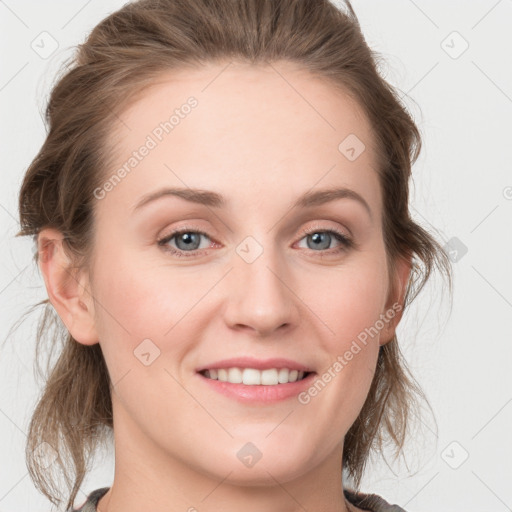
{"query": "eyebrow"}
(215, 200)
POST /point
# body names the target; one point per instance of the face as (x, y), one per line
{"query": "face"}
(248, 272)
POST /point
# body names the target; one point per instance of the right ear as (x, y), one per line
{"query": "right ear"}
(67, 287)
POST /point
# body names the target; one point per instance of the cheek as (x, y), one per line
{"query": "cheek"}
(348, 299)
(141, 301)
(351, 308)
(136, 302)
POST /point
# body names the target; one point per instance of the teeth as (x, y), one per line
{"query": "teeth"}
(235, 375)
(269, 377)
(253, 377)
(283, 375)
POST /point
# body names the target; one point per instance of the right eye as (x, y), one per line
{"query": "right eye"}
(187, 241)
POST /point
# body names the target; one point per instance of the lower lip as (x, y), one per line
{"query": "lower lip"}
(259, 393)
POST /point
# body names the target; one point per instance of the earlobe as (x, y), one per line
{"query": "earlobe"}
(67, 287)
(395, 305)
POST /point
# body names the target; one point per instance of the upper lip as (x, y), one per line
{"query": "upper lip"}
(257, 364)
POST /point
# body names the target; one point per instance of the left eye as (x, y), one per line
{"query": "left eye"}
(321, 239)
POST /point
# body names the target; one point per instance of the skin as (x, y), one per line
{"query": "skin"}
(260, 143)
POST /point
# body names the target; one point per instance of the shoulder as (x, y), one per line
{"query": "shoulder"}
(370, 502)
(92, 500)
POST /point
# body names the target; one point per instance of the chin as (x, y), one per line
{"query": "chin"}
(261, 462)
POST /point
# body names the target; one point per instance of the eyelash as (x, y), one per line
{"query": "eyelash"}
(346, 242)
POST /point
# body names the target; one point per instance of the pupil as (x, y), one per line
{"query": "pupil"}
(186, 239)
(317, 239)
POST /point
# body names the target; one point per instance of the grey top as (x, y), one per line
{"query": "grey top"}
(370, 502)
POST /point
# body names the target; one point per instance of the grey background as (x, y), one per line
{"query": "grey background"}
(462, 102)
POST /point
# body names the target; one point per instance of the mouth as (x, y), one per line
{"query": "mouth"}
(255, 381)
(255, 377)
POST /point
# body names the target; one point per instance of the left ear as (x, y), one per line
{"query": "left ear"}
(68, 289)
(395, 304)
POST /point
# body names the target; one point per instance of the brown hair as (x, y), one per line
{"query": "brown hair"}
(121, 57)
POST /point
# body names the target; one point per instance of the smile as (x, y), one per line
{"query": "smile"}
(255, 377)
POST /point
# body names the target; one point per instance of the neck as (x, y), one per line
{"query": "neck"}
(146, 478)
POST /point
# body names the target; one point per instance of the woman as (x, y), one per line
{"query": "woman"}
(221, 213)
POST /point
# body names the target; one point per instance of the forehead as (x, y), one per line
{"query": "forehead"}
(252, 127)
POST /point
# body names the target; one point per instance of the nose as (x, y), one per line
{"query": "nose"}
(260, 296)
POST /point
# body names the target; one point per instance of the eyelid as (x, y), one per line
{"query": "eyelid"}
(181, 230)
(319, 226)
